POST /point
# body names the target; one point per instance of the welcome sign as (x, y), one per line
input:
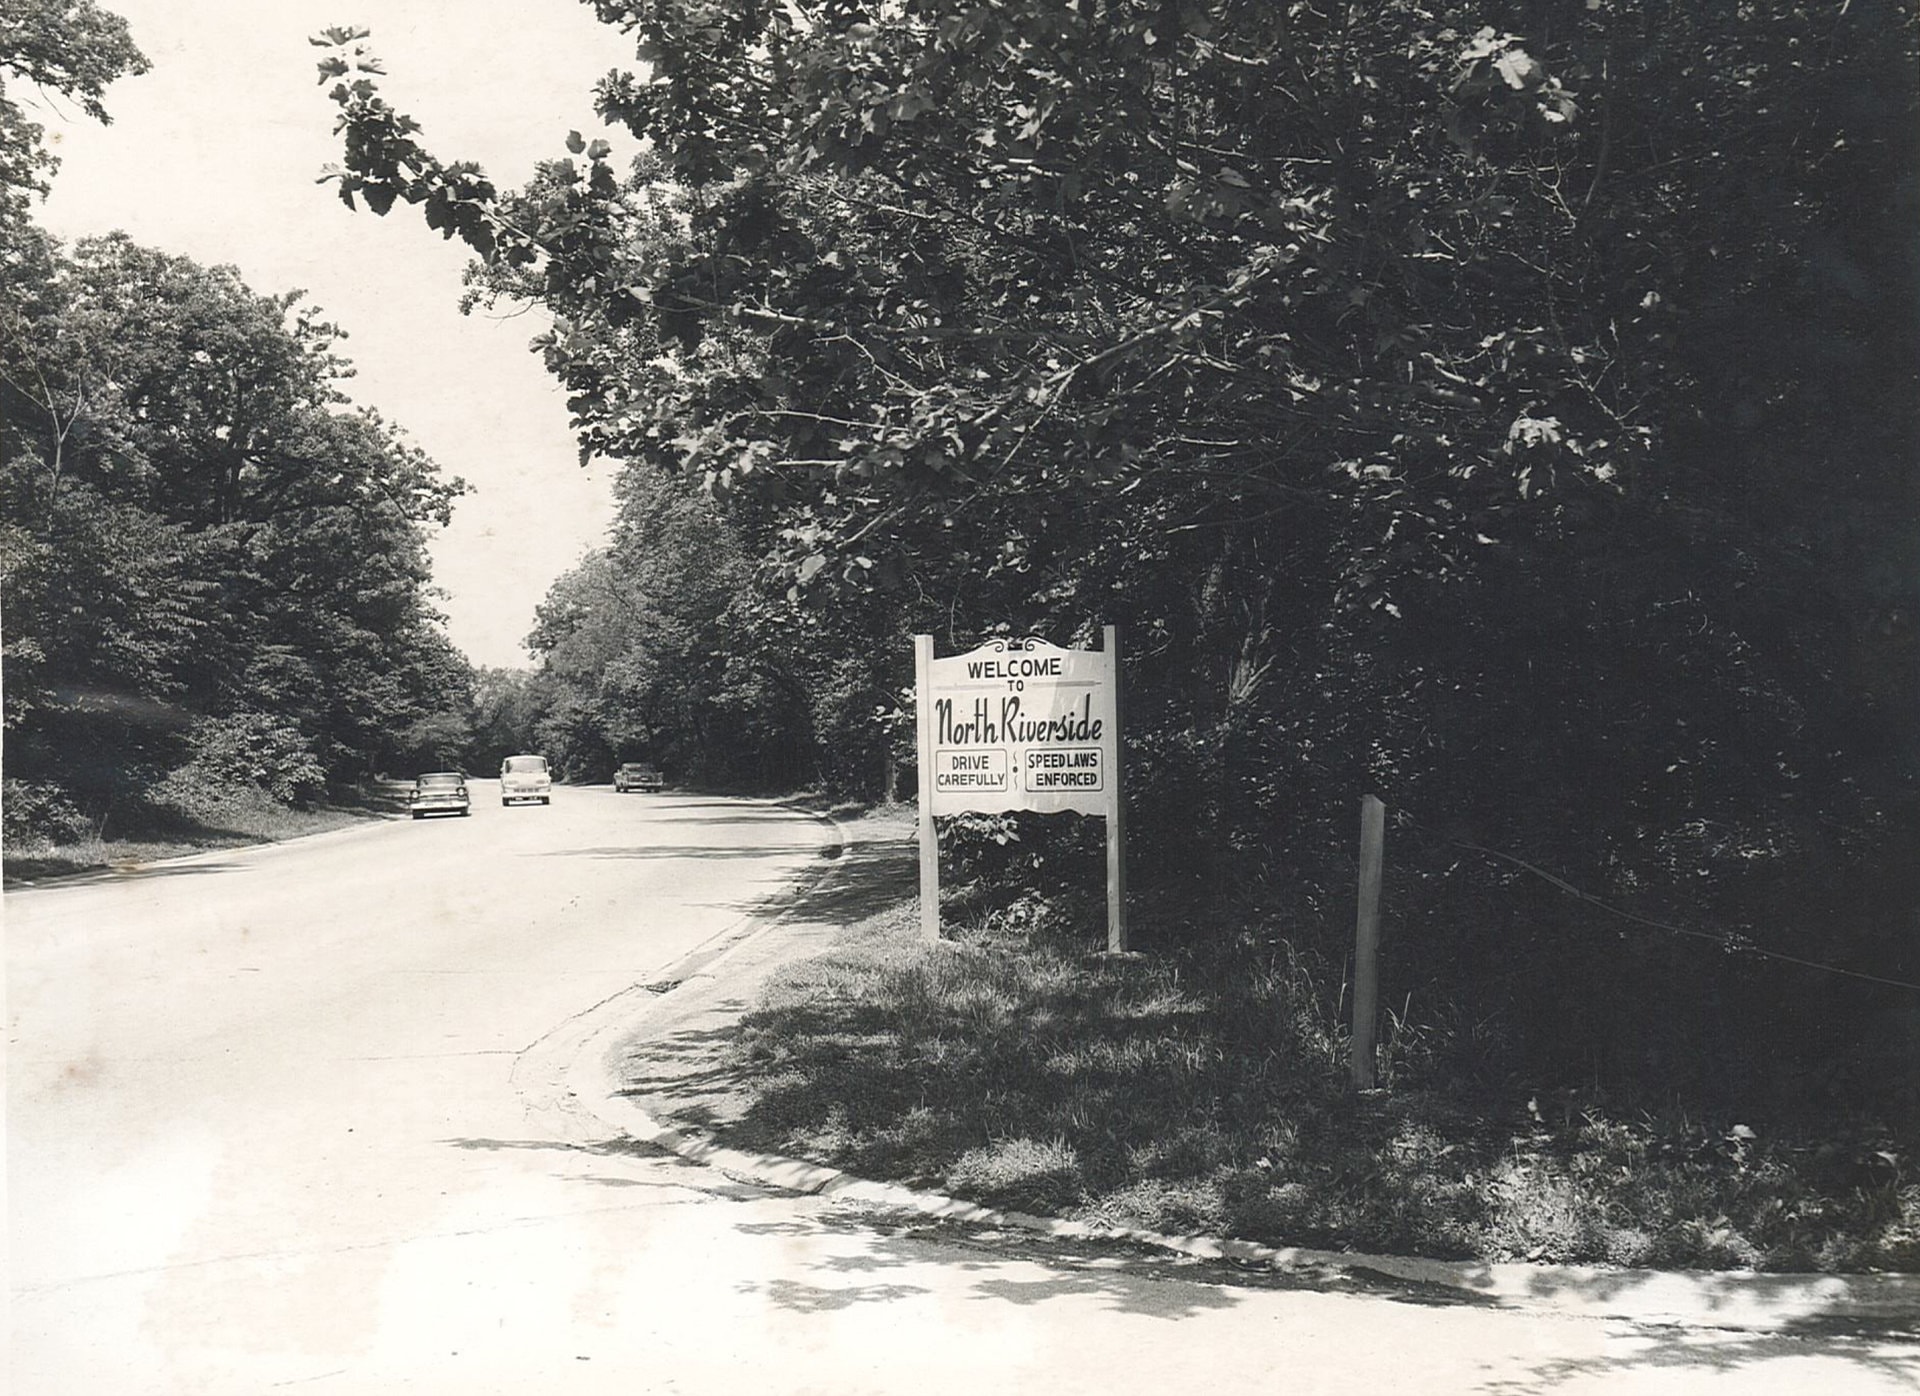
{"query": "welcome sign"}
(1021, 725)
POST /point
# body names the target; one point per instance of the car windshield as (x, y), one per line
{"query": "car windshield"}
(637, 770)
(443, 778)
(525, 765)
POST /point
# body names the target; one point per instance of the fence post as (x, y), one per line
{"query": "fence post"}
(1366, 939)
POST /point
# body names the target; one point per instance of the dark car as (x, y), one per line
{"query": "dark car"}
(637, 775)
(439, 792)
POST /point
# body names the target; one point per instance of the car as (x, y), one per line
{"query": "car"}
(525, 777)
(637, 775)
(439, 792)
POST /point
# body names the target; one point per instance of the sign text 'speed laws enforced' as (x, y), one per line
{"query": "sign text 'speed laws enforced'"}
(1021, 725)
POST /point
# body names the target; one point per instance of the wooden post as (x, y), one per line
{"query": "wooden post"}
(1117, 818)
(1366, 939)
(929, 837)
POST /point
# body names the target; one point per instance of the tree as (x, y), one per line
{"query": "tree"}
(1511, 410)
(196, 528)
(203, 557)
(67, 48)
(660, 646)
(1305, 286)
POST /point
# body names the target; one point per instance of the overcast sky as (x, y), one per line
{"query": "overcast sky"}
(214, 155)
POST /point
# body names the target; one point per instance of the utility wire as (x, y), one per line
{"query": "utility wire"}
(1741, 945)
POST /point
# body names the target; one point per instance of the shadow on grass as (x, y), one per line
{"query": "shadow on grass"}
(689, 1074)
(1154, 1122)
(870, 878)
(1198, 1098)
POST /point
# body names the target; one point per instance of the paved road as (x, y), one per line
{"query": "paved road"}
(293, 1119)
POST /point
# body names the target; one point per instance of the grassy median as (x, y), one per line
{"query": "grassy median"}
(1203, 1091)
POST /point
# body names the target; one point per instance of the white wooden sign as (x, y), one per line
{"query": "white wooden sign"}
(1020, 725)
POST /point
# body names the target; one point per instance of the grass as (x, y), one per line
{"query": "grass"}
(1203, 1093)
(151, 833)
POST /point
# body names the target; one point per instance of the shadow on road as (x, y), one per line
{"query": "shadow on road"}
(121, 872)
(680, 850)
(998, 1266)
(1675, 1358)
(1136, 1279)
(738, 809)
(675, 815)
(686, 1175)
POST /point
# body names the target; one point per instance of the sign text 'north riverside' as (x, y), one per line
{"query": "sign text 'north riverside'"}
(1021, 724)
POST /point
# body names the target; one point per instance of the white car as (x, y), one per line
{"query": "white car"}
(525, 778)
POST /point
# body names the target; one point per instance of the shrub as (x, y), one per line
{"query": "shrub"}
(33, 811)
(240, 757)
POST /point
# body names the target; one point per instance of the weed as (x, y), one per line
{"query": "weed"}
(1019, 1173)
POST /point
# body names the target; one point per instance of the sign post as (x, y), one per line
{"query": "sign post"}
(1020, 725)
(929, 838)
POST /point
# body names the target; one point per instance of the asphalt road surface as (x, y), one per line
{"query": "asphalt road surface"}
(287, 1119)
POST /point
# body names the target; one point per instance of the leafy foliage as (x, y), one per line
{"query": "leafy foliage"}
(72, 48)
(660, 647)
(206, 563)
(1511, 410)
(195, 528)
(245, 753)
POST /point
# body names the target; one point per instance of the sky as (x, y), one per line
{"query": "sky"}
(214, 155)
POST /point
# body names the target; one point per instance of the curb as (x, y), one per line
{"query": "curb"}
(1738, 1300)
(1888, 1304)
